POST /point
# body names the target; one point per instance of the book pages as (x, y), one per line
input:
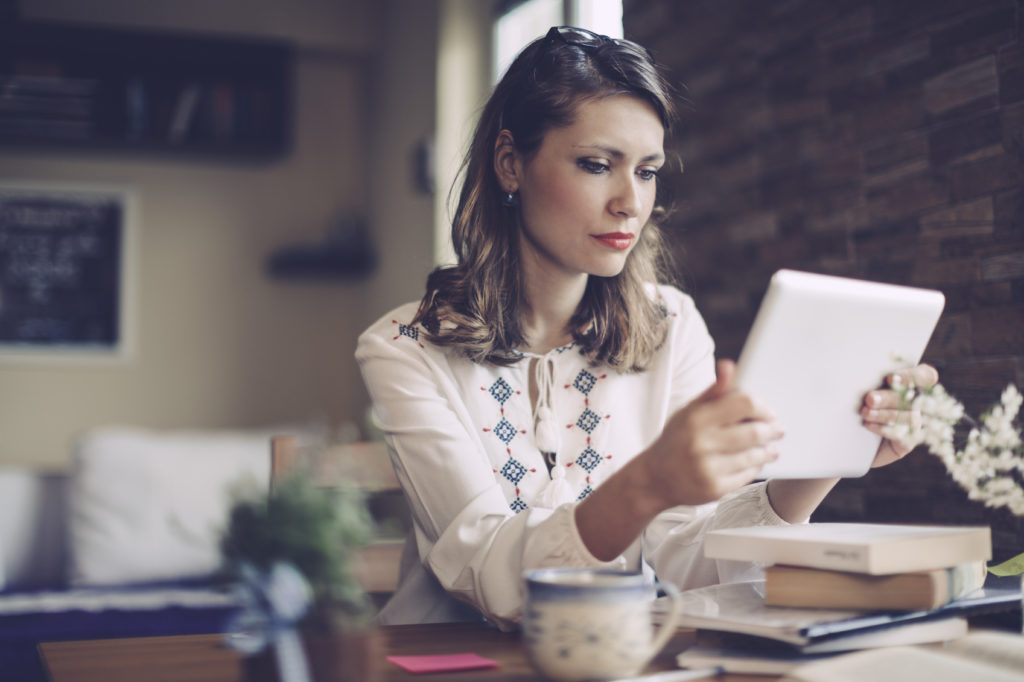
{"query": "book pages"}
(899, 664)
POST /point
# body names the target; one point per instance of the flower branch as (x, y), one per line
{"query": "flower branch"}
(988, 463)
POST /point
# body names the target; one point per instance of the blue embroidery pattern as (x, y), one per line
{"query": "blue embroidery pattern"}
(589, 420)
(505, 431)
(512, 470)
(408, 331)
(500, 390)
(584, 382)
(589, 459)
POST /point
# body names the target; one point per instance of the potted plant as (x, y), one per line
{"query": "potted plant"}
(290, 552)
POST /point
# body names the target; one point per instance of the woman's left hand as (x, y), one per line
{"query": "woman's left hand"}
(882, 408)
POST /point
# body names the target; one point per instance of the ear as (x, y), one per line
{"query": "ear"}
(506, 162)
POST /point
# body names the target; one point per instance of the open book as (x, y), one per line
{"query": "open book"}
(740, 607)
(738, 653)
(988, 656)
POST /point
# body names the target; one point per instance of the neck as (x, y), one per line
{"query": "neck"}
(550, 300)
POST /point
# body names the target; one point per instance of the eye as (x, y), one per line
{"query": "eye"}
(647, 174)
(591, 166)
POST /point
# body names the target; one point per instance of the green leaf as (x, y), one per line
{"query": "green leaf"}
(1012, 566)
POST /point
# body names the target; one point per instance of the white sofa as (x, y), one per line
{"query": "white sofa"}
(125, 543)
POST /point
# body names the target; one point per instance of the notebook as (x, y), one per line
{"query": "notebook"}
(817, 345)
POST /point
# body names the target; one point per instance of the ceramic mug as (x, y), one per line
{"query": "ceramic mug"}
(592, 624)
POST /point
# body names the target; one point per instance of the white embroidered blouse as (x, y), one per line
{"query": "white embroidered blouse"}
(464, 445)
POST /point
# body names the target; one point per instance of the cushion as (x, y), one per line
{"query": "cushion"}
(33, 529)
(151, 505)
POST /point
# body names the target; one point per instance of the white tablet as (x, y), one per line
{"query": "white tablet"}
(817, 345)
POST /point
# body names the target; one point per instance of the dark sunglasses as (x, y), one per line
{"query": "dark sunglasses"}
(581, 37)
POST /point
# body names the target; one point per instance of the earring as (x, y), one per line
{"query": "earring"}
(509, 199)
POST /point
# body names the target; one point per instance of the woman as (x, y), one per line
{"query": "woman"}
(548, 403)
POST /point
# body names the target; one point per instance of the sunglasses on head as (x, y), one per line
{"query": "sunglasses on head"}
(581, 37)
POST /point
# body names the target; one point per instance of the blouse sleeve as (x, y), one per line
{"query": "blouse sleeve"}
(467, 535)
(673, 543)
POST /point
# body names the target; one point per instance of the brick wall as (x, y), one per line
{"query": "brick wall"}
(876, 139)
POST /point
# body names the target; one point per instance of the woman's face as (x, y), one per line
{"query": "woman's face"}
(589, 190)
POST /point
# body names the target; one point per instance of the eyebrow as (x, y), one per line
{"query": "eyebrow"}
(618, 154)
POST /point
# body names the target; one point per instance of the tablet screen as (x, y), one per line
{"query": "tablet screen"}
(817, 345)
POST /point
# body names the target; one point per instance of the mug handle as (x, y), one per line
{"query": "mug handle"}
(668, 625)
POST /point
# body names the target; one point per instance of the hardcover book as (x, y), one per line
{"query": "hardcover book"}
(821, 588)
(876, 549)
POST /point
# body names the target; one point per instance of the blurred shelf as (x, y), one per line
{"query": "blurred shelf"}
(69, 87)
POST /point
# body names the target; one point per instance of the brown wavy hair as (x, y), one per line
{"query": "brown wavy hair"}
(474, 306)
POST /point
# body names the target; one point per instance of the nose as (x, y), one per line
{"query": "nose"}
(626, 200)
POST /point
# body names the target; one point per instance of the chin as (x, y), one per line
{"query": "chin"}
(608, 270)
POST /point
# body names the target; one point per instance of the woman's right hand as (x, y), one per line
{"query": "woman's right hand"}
(714, 445)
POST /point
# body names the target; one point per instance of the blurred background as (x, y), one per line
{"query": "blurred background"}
(283, 171)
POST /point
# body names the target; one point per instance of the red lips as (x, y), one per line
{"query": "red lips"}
(619, 241)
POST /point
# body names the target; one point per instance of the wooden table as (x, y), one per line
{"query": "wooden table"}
(205, 658)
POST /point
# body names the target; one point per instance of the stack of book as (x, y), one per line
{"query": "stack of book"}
(833, 588)
(859, 565)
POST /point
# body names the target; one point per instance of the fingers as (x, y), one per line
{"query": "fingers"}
(748, 462)
(885, 412)
(713, 477)
(885, 431)
(922, 375)
(723, 404)
(731, 422)
(886, 418)
(719, 442)
(883, 415)
(746, 435)
(726, 375)
(726, 453)
(735, 480)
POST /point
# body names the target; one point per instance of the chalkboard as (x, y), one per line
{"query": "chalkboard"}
(62, 255)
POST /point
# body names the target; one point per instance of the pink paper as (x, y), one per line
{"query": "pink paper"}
(442, 663)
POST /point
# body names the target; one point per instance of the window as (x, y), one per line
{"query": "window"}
(523, 21)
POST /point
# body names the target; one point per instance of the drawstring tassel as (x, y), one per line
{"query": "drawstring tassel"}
(557, 491)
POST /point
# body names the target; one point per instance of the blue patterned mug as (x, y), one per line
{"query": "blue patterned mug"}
(592, 624)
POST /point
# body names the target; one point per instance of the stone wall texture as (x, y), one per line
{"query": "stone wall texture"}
(877, 139)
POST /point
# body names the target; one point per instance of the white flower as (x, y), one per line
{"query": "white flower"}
(990, 466)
